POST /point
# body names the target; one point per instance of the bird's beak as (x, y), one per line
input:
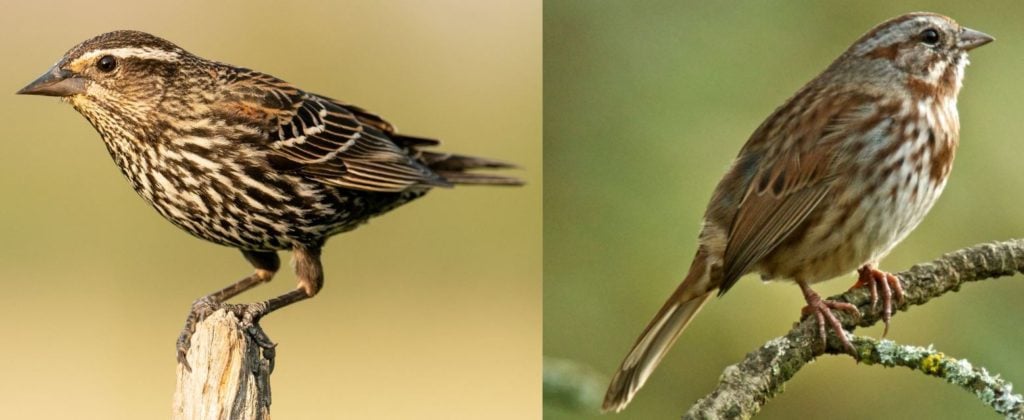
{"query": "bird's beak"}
(971, 39)
(55, 82)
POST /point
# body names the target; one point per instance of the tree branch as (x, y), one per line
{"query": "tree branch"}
(991, 390)
(230, 377)
(746, 386)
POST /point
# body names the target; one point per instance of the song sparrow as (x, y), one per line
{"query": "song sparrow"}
(243, 159)
(830, 182)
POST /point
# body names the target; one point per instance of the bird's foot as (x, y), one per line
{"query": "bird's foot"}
(889, 285)
(822, 311)
(201, 308)
(248, 315)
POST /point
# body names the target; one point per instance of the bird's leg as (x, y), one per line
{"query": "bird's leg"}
(265, 263)
(311, 278)
(875, 279)
(822, 310)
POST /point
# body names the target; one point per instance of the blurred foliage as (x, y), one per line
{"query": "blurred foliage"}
(645, 105)
(432, 311)
(572, 386)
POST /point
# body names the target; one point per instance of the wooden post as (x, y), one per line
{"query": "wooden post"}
(230, 377)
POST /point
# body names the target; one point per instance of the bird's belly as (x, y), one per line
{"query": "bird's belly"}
(231, 212)
(857, 226)
(251, 207)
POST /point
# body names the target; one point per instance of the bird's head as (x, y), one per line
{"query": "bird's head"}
(120, 75)
(926, 50)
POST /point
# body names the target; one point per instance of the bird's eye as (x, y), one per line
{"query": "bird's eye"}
(930, 36)
(107, 63)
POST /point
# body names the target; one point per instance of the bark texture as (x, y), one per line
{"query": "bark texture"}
(746, 386)
(230, 376)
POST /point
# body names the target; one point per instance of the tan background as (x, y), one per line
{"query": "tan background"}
(432, 311)
(645, 105)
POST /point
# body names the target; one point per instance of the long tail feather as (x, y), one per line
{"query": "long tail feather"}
(453, 162)
(657, 339)
(455, 169)
(468, 178)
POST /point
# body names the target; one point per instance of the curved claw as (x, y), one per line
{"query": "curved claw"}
(247, 314)
(822, 310)
(890, 287)
(201, 308)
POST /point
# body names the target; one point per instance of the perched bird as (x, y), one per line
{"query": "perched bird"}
(243, 159)
(829, 183)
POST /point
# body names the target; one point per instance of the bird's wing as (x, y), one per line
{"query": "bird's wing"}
(330, 141)
(794, 172)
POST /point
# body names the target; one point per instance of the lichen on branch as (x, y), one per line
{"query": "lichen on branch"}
(746, 386)
(990, 389)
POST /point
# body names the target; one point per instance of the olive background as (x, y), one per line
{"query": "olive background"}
(431, 311)
(434, 310)
(645, 105)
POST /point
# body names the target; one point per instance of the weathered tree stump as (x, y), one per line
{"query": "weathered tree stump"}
(230, 376)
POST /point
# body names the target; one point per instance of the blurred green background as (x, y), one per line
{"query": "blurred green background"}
(432, 311)
(645, 105)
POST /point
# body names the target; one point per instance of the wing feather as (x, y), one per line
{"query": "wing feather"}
(789, 186)
(333, 142)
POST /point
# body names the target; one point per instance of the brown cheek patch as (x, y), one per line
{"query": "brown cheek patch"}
(888, 52)
(944, 87)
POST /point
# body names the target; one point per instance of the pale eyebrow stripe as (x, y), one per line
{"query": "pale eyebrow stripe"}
(143, 53)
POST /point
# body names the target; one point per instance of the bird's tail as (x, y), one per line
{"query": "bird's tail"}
(658, 337)
(458, 169)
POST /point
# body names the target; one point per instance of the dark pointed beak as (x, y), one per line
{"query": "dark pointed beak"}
(971, 39)
(55, 82)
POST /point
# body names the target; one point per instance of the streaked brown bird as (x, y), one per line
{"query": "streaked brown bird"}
(829, 183)
(244, 159)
